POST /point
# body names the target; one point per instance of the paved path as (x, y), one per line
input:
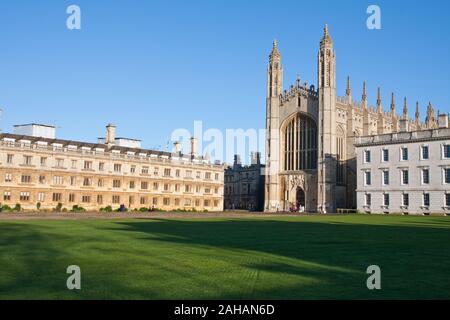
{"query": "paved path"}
(134, 215)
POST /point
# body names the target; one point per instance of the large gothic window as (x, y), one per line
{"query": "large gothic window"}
(300, 144)
(340, 156)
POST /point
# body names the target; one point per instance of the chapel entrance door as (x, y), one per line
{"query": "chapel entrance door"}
(300, 198)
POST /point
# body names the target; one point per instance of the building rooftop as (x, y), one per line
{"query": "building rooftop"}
(34, 124)
(9, 137)
(403, 137)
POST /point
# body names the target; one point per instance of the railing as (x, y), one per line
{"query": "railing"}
(106, 155)
(405, 136)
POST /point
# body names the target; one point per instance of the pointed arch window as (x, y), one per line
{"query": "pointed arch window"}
(300, 144)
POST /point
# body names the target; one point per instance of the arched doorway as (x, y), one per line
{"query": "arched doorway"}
(300, 198)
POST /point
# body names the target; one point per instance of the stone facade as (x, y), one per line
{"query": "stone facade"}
(406, 172)
(244, 185)
(310, 135)
(93, 175)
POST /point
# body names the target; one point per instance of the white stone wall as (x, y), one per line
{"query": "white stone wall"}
(415, 188)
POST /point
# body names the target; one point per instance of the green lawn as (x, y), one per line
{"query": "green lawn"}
(310, 257)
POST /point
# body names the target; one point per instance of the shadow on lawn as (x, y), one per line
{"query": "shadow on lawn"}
(338, 254)
(26, 256)
(309, 259)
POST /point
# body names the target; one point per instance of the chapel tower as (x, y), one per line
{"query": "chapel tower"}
(327, 125)
(274, 90)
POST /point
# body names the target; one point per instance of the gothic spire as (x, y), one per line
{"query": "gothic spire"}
(364, 94)
(405, 109)
(430, 121)
(430, 114)
(275, 52)
(392, 104)
(348, 91)
(430, 111)
(379, 108)
(417, 113)
(274, 72)
(326, 39)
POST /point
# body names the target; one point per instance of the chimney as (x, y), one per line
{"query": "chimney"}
(255, 158)
(404, 125)
(443, 120)
(237, 160)
(177, 147)
(110, 134)
(193, 147)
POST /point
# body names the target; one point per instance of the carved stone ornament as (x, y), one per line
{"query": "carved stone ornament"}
(296, 181)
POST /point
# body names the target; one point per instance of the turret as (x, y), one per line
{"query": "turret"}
(275, 72)
(327, 62)
(274, 91)
(327, 124)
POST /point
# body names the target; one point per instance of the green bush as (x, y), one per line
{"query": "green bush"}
(6, 208)
(187, 210)
(77, 208)
(143, 209)
(38, 206)
(58, 208)
(17, 207)
(106, 209)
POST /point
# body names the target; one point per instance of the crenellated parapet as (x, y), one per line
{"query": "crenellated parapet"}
(297, 90)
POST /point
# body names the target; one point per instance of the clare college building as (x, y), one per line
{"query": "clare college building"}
(311, 159)
(39, 170)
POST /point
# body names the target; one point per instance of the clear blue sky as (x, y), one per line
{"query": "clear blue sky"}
(153, 66)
